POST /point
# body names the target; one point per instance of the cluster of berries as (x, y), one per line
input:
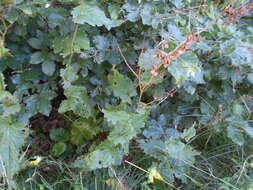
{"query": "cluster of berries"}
(233, 15)
(166, 59)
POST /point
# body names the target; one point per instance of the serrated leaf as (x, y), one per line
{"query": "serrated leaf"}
(175, 32)
(122, 86)
(154, 148)
(83, 130)
(149, 15)
(59, 135)
(40, 103)
(101, 42)
(126, 125)
(187, 67)
(235, 135)
(111, 151)
(71, 43)
(104, 156)
(241, 56)
(148, 59)
(116, 116)
(12, 135)
(173, 149)
(132, 11)
(180, 152)
(189, 133)
(69, 75)
(9, 104)
(77, 101)
(93, 15)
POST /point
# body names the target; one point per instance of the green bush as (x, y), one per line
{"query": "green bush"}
(170, 81)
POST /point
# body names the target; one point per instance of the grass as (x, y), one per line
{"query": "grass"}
(222, 165)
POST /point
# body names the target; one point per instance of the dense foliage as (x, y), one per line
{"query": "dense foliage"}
(168, 80)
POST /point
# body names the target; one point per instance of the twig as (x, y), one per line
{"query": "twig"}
(118, 179)
(138, 167)
(196, 7)
(124, 58)
(247, 46)
(243, 167)
(164, 97)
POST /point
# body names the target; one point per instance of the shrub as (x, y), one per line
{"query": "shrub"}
(171, 80)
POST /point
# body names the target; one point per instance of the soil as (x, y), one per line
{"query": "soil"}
(41, 126)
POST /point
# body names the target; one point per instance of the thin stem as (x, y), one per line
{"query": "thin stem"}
(243, 168)
(124, 58)
(72, 44)
(138, 167)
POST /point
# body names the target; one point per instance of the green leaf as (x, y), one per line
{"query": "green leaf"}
(175, 32)
(241, 56)
(171, 149)
(132, 11)
(250, 78)
(9, 104)
(81, 42)
(238, 109)
(40, 103)
(104, 156)
(69, 75)
(37, 58)
(2, 83)
(12, 135)
(180, 152)
(148, 59)
(178, 3)
(83, 130)
(4, 52)
(114, 10)
(173, 156)
(126, 125)
(116, 116)
(59, 135)
(122, 86)
(59, 148)
(189, 133)
(77, 101)
(248, 130)
(93, 15)
(36, 43)
(149, 15)
(154, 148)
(71, 43)
(235, 135)
(48, 67)
(186, 67)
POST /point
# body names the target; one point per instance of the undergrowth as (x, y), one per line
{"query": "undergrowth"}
(126, 94)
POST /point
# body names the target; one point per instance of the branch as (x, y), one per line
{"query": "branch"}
(124, 58)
